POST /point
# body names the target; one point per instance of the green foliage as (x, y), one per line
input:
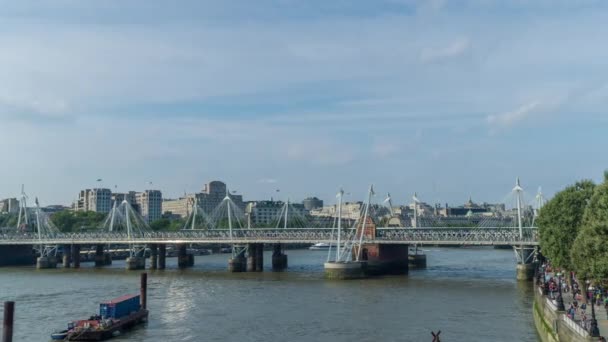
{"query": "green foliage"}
(165, 224)
(74, 221)
(8, 220)
(597, 210)
(561, 219)
(590, 252)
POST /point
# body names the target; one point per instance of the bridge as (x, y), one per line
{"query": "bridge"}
(472, 236)
(359, 241)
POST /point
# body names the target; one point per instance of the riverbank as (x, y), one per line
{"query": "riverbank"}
(553, 325)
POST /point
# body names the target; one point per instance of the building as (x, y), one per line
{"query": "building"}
(266, 213)
(312, 203)
(98, 200)
(119, 197)
(177, 207)
(150, 204)
(9, 205)
(350, 211)
(208, 199)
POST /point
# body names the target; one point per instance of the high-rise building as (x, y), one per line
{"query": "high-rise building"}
(130, 197)
(312, 203)
(264, 213)
(208, 199)
(150, 204)
(9, 205)
(98, 200)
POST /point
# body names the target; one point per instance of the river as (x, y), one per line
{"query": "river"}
(470, 294)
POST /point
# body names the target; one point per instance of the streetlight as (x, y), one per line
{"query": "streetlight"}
(560, 300)
(595, 332)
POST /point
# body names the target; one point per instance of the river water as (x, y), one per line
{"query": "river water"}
(470, 294)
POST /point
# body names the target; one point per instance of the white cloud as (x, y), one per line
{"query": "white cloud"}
(509, 119)
(454, 49)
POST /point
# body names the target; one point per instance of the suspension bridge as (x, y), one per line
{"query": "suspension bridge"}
(229, 225)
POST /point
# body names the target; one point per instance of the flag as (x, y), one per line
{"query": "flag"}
(278, 190)
(99, 179)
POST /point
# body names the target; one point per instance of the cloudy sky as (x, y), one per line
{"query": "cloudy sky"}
(447, 98)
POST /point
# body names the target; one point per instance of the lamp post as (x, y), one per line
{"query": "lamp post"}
(594, 331)
(560, 300)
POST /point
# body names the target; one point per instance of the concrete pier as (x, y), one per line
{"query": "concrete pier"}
(135, 263)
(525, 272)
(183, 258)
(18, 255)
(279, 259)
(162, 256)
(345, 270)
(252, 257)
(153, 256)
(416, 261)
(76, 255)
(525, 262)
(46, 262)
(67, 256)
(259, 257)
(237, 264)
(99, 258)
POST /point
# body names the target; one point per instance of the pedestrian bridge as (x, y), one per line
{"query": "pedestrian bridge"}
(472, 236)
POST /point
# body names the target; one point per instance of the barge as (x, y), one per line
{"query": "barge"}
(115, 317)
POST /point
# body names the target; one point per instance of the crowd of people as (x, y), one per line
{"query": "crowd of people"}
(583, 293)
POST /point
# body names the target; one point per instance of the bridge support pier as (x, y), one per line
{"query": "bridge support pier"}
(183, 258)
(252, 257)
(259, 257)
(102, 258)
(67, 257)
(76, 255)
(525, 262)
(416, 259)
(135, 263)
(153, 256)
(46, 262)
(279, 259)
(346, 270)
(238, 262)
(162, 256)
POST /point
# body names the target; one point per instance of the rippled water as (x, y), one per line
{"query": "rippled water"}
(469, 294)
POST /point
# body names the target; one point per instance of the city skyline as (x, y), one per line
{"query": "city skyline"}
(447, 99)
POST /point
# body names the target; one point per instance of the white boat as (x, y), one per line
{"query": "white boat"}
(321, 246)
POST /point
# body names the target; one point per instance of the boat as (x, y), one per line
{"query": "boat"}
(321, 246)
(115, 317)
(59, 335)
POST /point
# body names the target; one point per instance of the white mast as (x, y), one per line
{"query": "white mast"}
(518, 192)
(39, 226)
(364, 223)
(340, 194)
(286, 212)
(22, 208)
(416, 201)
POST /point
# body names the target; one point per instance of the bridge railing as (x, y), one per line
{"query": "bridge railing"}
(451, 234)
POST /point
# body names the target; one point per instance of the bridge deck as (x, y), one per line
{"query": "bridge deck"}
(420, 236)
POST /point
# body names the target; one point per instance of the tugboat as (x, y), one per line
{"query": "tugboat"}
(115, 316)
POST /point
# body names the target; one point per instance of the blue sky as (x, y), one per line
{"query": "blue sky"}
(447, 98)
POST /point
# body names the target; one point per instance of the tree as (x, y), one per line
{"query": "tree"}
(561, 219)
(165, 224)
(590, 250)
(72, 221)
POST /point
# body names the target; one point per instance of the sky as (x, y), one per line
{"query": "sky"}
(449, 99)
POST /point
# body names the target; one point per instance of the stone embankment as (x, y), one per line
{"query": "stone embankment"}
(553, 325)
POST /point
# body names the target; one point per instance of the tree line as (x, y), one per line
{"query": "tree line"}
(573, 229)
